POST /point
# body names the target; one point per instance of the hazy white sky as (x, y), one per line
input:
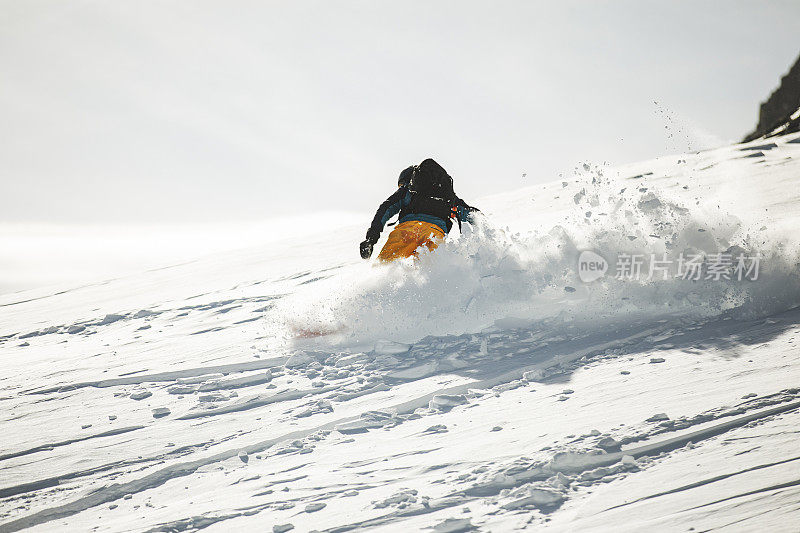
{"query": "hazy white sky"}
(187, 110)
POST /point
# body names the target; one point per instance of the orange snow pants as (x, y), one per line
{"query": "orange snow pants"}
(407, 237)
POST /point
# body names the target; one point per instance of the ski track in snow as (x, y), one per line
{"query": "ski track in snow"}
(485, 388)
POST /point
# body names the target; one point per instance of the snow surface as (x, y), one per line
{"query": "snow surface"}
(485, 387)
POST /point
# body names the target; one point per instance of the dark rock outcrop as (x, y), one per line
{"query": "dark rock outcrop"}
(775, 116)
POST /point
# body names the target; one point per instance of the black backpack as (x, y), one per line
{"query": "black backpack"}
(431, 180)
(432, 192)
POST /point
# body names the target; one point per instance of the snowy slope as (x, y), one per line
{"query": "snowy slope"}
(484, 388)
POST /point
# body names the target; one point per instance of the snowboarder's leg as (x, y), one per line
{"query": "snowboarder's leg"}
(407, 237)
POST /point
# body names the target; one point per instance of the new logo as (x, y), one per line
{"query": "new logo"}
(591, 266)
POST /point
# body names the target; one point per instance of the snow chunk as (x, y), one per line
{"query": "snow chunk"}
(363, 425)
(140, 395)
(445, 402)
(517, 383)
(559, 481)
(454, 525)
(649, 202)
(595, 474)
(383, 347)
(235, 383)
(576, 462)
(193, 380)
(404, 496)
(181, 389)
(533, 375)
(109, 319)
(609, 444)
(539, 498)
(350, 359)
(298, 360)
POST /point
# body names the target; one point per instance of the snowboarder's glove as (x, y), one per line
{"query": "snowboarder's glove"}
(366, 249)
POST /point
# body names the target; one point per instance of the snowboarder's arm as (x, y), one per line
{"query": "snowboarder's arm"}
(387, 210)
(465, 211)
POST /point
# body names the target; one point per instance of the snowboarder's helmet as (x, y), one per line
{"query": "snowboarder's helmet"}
(405, 177)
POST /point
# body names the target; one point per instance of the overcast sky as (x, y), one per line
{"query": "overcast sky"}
(164, 111)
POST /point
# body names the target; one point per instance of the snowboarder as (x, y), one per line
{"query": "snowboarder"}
(427, 205)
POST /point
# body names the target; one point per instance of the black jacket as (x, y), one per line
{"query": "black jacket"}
(404, 202)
